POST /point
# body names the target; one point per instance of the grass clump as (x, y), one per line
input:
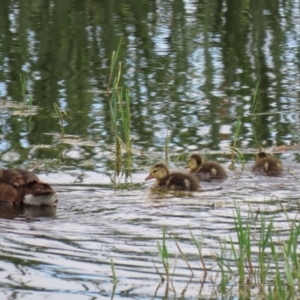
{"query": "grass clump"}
(273, 267)
(256, 261)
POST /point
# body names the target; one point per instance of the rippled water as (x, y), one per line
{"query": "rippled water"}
(192, 67)
(67, 251)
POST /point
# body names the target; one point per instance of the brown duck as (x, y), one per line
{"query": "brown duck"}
(175, 181)
(267, 165)
(18, 187)
(205, 170)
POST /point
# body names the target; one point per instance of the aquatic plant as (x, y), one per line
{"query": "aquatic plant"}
(119, 104)
(234, 150)
(167, 142)
(278, 260)
(114, 276)
(253, 112)
(253, 258)
(164, 256)
(23, 86)
(61, 115)
(254, 100)
(199, 248)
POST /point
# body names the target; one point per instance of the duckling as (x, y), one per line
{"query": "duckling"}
(266, 164)
(18, 187)
(176, 181)
(205, 170)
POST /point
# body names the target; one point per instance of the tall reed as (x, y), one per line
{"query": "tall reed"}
(119, 103)
(255, 100)
(61, 114)
(242, 256)
(234, 150)
(253, 112)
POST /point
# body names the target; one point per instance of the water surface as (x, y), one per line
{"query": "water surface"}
(192, 69)
(68, 251)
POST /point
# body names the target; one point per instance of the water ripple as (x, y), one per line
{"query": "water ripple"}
(68, 250)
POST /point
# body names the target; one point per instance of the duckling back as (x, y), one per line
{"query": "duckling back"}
(211, 170)
(178, 181)
(267, 165)
(205, 170)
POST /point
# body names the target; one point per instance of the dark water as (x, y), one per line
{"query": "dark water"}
(192, 68)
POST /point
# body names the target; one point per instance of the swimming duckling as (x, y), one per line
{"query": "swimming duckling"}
(205, 170)
(266, 164)
(176, 181)
(19, 187)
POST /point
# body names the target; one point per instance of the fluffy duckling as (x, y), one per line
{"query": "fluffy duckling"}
(18, 187)
(205, 170)
(175, 181)
(266, 164)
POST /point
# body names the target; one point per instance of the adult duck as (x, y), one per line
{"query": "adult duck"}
(22, 187)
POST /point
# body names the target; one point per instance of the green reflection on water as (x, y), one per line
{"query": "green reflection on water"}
(191, 68)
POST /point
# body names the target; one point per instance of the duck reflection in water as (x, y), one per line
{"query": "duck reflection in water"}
(27, 212)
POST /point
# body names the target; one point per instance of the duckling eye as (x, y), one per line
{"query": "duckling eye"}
(154, 171)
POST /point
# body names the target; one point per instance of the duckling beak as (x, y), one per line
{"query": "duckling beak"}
(186, 167)
(149, 177)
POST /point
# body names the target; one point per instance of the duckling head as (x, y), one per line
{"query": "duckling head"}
(158, 172)
(194, 162)
(261, 155)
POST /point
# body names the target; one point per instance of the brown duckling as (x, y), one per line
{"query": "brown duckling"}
(266, 164)
(175, 181)
(18, 187)
(205, 170)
